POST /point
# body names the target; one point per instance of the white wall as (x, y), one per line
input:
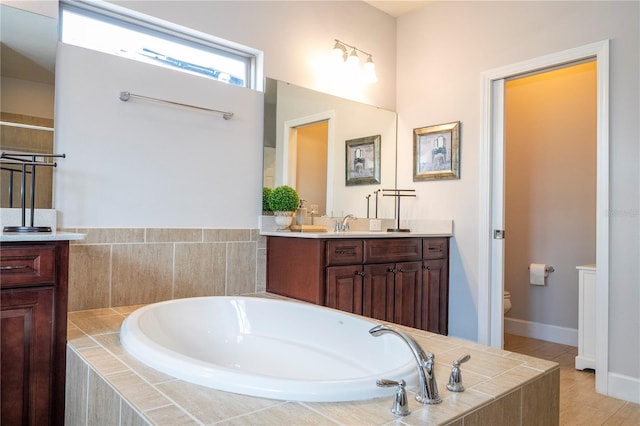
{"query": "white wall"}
(296, 37)
(442, 51)
(149, 164)
(136, 164)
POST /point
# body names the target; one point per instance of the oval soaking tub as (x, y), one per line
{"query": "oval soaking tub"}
(267, 348)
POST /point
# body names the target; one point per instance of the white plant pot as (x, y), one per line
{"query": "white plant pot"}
(283, 220)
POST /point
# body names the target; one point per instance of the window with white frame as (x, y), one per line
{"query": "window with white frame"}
(124, 35)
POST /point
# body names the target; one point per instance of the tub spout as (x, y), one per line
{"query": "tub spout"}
(427, 387)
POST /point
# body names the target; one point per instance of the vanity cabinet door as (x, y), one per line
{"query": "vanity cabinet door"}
(435, 301)
(408, 294)
(344, 288)
(33, 335)
(26, 372)
(378, 291)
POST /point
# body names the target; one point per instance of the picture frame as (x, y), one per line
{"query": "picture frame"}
(362, 161)
(436, 152)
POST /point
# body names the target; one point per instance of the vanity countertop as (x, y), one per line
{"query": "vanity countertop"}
(355, 234)
(6, 237)
(360, 229)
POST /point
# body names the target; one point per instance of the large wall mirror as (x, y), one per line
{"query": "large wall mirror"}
(338, 154)
(28, 41)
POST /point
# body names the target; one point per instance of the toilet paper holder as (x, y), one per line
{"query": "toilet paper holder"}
(546, 269)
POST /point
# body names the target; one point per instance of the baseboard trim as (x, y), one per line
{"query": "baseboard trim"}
(536, 330)
(624, 387)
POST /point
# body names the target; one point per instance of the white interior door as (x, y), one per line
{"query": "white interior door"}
(499, 233)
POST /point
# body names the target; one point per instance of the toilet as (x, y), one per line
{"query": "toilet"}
(506, 305)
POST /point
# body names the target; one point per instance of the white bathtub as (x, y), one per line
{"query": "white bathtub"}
(267, 348)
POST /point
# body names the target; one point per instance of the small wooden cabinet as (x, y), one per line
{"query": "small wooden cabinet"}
(401, 280)
(33, 308)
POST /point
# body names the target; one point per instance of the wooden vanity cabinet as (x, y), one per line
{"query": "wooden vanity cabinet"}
(33, 308)
(400, 280)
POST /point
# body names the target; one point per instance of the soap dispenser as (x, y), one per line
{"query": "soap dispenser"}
(301, 213)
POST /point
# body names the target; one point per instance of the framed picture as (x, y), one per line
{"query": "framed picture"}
(362, 161)
(436, 152)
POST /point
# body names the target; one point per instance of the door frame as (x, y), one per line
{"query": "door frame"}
(290, 149)
(491, 262)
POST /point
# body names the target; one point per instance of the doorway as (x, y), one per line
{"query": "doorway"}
(311, 164)
(549, 197)
(491, 195)
(295, 132)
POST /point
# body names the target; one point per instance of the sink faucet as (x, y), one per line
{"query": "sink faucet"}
(343, 225)
(427, 387)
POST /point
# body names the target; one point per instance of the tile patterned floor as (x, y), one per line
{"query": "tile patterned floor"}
(579, 402)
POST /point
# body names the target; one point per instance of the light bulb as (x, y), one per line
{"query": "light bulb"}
(353, 60)
(370, 71)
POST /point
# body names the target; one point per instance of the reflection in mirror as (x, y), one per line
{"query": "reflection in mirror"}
(305, 146)
(28, 46)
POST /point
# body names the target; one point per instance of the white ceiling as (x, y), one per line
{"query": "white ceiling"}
(27, 44)
(397, 8)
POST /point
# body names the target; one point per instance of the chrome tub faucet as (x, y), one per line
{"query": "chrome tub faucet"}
(427, 386)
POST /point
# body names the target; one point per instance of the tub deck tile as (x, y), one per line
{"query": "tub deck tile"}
(156, 398)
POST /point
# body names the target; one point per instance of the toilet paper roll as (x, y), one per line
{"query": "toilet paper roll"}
(537, 273)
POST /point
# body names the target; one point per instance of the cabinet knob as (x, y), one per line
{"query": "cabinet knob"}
(360, 273)
(427, 267)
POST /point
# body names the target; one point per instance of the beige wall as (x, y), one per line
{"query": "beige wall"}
(550, 189)
(129, 266)
(31, 141)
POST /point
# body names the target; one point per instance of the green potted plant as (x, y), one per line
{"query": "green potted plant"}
(284, 201)
(266, 210)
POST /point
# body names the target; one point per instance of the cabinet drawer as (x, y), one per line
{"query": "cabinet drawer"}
(344, 252)
(436, 248)
(24, 266)
(392, 250)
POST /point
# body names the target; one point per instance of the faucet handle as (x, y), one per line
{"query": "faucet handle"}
(400, 406)
(455, 379)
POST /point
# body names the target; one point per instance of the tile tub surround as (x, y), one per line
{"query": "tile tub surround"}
(105, 385)
(129, 266)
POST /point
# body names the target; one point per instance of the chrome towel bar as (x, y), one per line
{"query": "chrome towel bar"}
(125, 96)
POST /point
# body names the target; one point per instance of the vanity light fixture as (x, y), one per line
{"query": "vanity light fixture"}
(341, 51)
